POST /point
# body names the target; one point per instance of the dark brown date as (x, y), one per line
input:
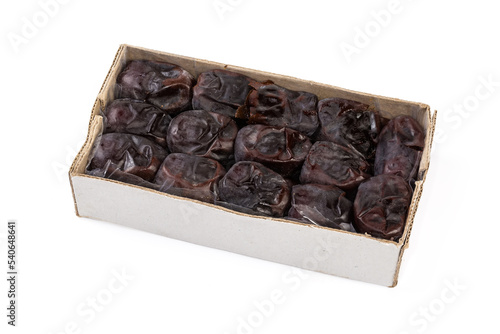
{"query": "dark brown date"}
(203, 133)
(321, 205)
(221, 91)
(270, 104)
(167, 86)
(399, 149)
(190, 176)
(349, 123)
(124, 177)
(381, 206)
(137, 117)
(334, 164)
(128, 153)
(280, 149)
(253, 186)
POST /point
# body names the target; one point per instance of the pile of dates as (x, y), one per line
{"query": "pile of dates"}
(259, 148)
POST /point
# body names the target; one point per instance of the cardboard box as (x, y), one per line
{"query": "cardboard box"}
(317, 248)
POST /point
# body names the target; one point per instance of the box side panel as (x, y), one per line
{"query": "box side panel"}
(304, 246)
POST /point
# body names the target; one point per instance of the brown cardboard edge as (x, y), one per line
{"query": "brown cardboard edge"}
(73, 193)
(409, 225)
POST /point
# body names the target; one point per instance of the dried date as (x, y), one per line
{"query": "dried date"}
(321, 205)
(349, 123)
(381, 206)
(165, 85)
(221, 91)
(190, 176)
(333, 164)
(203, 133)
(281, 149)
(253, 186)
(128, 153)
(270, 104)
(400, 146)
(136, 117)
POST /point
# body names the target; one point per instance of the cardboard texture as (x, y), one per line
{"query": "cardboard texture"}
(317, 248)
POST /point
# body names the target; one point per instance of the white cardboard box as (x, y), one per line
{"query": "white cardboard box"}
(317, 248)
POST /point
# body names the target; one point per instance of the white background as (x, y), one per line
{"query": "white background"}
(439, 53)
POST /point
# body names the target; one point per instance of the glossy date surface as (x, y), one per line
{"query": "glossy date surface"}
(190, 176)
(128, 153)
(381, 206)
(136, 117)
(400, 147)
(221, 91)
(202, 133)
(165, 85)
(270, 104)
(321, 205)
(349, 123)
(333, 164)
(253, 186)
(281, 149)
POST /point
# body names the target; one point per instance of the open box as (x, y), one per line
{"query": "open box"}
(346, 254)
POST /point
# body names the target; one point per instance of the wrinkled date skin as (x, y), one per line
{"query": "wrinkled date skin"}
(273, 105)
(137, 117)
(253, 186)
(321, 205)
(202, 133)
(118, 175)
(334, 164)
(167, 86)
(381, 206)
(349, 123)
(400, 147)
(190, 176)
(281, 149)
(221, 91)
(128, 153)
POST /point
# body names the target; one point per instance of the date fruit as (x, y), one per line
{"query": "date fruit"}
(165, 85)
(128, 153)
(321, 205)
(221, 91)
(281, 149)
(349, 123)
(190, 176)
(124, 177)
(381, 206)
(270, 104)
(203, 133)
(253, 186)
(137, 117)
(399, 149)
(334, 164)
